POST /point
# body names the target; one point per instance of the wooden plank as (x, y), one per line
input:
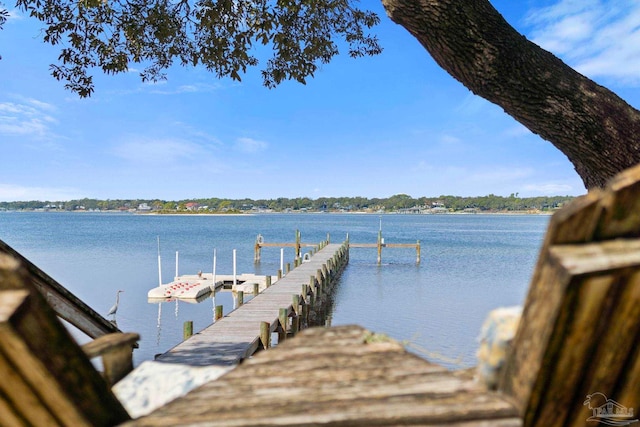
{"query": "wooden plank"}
(338, 376)
(620, 216)
(39, 348)
(611, 366)
(585, 292)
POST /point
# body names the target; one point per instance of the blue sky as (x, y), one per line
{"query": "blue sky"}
(371, 127)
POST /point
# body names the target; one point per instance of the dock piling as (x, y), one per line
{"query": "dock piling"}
(240, 298)
(187, 329)
(265, 335)
(283, 318)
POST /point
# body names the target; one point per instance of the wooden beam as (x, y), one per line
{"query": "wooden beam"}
(66, 305)
(578, 333)
(49, 368)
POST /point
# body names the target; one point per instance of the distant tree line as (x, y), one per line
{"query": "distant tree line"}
(398, 202)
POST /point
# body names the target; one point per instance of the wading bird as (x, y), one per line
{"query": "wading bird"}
(113, 309)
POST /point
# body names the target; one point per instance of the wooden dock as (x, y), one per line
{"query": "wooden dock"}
(291, 303)
(297, 245)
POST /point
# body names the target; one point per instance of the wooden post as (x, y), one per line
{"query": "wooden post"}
(295, 321)
(295, 303)
(187, 329)
(320, 281)
(265, 335)
(312, 290)
(256, 254)
(325, 276)
(297, 244)
(268, 281)
(380, 246)
(256, 289)
(218, 312)
(295, 324)
(240, 298)
(418, 252)
(279, 274)
(283, 318)
(304, 308)
(288, 268)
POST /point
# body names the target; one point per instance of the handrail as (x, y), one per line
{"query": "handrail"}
(66, 305)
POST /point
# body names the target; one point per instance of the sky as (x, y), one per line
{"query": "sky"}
(371, 127)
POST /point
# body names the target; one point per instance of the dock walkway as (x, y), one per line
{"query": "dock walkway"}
(237, 336)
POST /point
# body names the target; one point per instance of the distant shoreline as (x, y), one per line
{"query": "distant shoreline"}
(283, 213)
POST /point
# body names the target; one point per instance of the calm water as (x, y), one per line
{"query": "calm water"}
(470, 265)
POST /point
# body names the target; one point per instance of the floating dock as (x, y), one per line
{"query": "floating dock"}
(195, 286)
(291, 303)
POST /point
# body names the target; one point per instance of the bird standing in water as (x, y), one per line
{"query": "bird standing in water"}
(115, 306)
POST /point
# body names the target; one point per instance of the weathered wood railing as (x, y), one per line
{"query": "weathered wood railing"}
(47, 379)
(67, 306)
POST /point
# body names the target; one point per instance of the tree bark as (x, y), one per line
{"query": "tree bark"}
(596, 129)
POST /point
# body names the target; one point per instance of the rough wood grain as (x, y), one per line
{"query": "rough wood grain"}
(52, 380)
(337, 376)
(580, 323)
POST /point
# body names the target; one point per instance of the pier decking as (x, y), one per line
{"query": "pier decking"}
(343, 376)
(282, 305)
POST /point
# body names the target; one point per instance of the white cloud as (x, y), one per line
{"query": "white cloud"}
(597, 38)
(29, 117)
(12, 193)
(250, 145)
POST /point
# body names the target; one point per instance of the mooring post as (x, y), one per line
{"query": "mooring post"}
(380, 245)
(288, 267)
(240, 298)
(187, 329)
(283, 318)
(418, 252)
(295, 302)
(297, 244)
(265, 334)
(256, 289)
(295, 321)
(218, 312)
(257, 249)
(305, 307)
(319, 281)
(325, 276)
(279, 273)
(268, 281)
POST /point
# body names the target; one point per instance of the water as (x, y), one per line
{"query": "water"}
(470, 265)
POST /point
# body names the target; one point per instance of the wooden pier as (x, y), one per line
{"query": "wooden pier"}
(293, 302)
(260, 243)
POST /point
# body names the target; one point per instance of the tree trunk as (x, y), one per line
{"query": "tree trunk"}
(597, 130)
